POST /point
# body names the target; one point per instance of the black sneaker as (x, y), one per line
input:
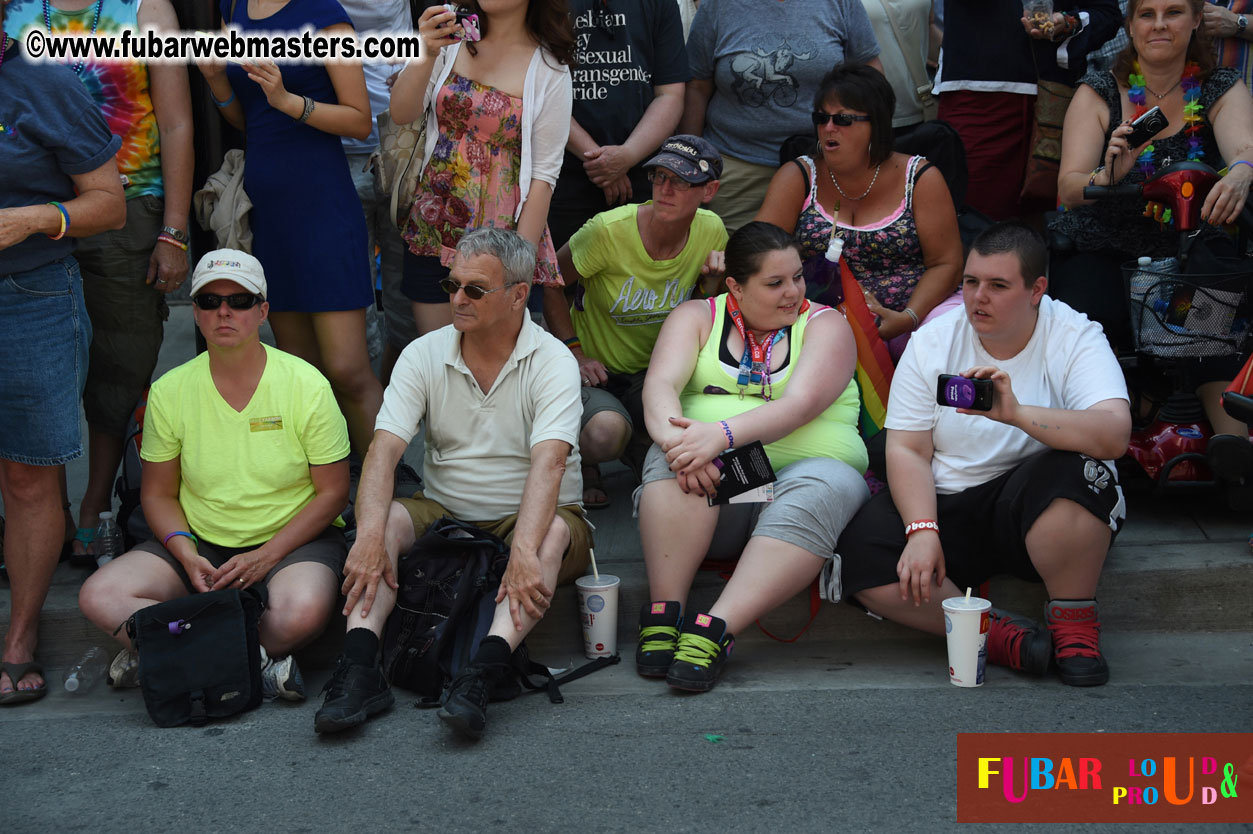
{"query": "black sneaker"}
(354, 693)
(659, 633)
(703, 648)
(1077, 642)
(465, 702)
(1019, 643)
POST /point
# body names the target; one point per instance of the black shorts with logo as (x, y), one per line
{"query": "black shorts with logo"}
(983, 529)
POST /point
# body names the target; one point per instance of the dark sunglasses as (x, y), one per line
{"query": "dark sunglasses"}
(841, 119)
(474, 293)
(236, 301)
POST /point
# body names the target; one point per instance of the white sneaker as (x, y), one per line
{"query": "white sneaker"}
(281, 678)
(124, 670)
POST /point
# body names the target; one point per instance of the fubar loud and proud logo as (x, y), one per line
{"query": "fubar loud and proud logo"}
(1105, 777)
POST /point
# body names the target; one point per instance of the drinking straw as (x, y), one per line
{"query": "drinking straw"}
(591, 551)
(967, 593)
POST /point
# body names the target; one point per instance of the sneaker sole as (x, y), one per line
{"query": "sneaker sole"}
(648, 670)
(690, 686)
(326, 724)
(459, 723)
(1095, 679)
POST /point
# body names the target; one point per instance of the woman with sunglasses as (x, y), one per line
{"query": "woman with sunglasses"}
(58, 182)
(497, 116)
(245, 472)
(306, 220)
(758, 363)
(892, 213)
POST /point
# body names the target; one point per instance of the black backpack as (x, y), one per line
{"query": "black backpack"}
(444, 608)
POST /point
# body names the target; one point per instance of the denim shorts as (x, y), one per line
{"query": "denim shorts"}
(44, 338)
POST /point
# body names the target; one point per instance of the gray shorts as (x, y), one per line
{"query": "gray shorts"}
(330, 549)
(596, 400)
(813, 500)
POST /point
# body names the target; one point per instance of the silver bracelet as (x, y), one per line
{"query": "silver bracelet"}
(309, 105)
(909, 312)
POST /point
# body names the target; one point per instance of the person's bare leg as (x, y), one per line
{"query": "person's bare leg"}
(603, 438)
(551, 549)
(34, 521)
(768, 574)
(675, 531)
(302, 598)
(886, 601)
(1211, 394)
(104, 455)
(1067, 545)
(346, 363)
(430, 317)
(293, 333)
(398, 537)
(132, 581)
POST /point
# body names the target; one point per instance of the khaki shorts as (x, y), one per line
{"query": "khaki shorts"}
(741, 191)
(426, 512)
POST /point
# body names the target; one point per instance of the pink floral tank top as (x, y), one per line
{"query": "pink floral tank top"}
(471, 179)
(886, 258)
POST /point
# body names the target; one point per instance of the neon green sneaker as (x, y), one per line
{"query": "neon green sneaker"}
(703, 648)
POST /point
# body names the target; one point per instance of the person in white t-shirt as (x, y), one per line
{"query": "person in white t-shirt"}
(1027, 487)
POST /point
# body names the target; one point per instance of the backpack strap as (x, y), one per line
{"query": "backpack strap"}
(552, 685)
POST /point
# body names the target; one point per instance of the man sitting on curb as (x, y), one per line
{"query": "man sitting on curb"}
(245, 471)
(500, 401)
(1027, 487)
(633, 265)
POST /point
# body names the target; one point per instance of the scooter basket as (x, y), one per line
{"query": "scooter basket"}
(1178, 315)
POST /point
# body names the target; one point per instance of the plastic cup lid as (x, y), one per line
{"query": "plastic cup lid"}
(961, 604)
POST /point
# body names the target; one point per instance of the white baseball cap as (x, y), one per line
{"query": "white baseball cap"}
(229, 265)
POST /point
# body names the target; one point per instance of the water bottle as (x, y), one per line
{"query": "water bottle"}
(82, 676)
(108, 540)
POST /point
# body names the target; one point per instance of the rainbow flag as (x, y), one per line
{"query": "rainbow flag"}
(874, 363)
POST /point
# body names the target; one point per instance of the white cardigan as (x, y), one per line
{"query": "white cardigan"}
(547, 100)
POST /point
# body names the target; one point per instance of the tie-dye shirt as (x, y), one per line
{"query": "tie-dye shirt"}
(120, 89)
(1234, 52)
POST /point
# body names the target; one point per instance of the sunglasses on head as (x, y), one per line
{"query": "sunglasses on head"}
(841, 119)
(236, 301)
(473, 292)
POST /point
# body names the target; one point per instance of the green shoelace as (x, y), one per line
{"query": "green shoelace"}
(658, 638)
(696, 650)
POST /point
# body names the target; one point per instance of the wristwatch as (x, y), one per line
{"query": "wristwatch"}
(177, 234)
(1241, 22)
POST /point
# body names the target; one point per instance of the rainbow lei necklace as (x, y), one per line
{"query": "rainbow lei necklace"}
(1191, 119)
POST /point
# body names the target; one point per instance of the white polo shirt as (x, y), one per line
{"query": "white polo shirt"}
(478, 445)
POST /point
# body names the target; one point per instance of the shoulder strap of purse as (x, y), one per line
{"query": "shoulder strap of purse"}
(916, 72)
(230, 16)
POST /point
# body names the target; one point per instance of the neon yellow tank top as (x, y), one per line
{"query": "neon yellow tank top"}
(832, 434)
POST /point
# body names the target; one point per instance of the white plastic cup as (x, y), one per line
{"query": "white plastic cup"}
(598, 610)
(966, 622)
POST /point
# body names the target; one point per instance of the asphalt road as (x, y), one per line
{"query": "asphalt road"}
(781, 745)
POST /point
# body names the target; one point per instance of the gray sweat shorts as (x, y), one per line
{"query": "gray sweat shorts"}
(813, 500)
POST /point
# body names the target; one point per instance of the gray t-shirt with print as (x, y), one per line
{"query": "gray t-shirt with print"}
(767, 68)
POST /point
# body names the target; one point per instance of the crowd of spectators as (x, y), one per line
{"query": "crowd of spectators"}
(681, 183)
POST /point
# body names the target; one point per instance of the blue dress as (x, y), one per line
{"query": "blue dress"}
(308, 228)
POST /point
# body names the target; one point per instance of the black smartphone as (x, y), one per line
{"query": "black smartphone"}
(1146, 127)
(963, 392)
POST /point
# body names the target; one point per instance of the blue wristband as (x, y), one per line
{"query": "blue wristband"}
(194, 540)
(726, 429)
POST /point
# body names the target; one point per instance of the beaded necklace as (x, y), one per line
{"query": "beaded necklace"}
(4, 47)
(1146, 164)
(95, 21)
(755, 363)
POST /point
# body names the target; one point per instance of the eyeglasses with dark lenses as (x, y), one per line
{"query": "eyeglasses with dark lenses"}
(473, 292)
(237, 301)
(841, 119)
(661, 178)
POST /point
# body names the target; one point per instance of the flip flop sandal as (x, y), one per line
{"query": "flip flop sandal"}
(17, 671)
(85, 536)
(593, 483)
